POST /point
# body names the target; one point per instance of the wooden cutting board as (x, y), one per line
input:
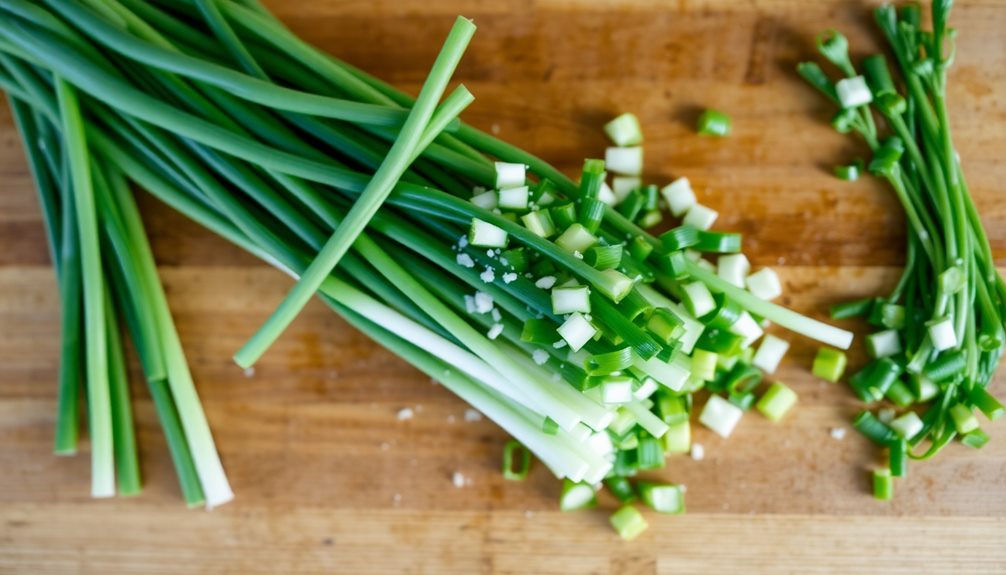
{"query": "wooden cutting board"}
(328, 479)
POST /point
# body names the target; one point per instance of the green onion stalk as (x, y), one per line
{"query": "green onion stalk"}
(532, 296)
(941, 329)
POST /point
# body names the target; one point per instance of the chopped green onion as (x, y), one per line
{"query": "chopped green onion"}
(883, 484)
(576, 239)
(853, 92)
(678, 438)
(893, 316)
(874, 429)
(628, 522)
(509, 175)
(697, 298)
(720, 416)
(624, 130)
(563, 215)
(576, 331)
(604, 257)
(650, 452)
(621, 488)
(679, 238)
(941, 333)
(883, 343)
(734, 268)
(848, 172)
(591, 214)
(485, 235)
(632, 205)
(856, 308)
(717, 242)
(776, 401)
(616, 390)
(627, 161)
(576, 496)
(679, 196)
(665, 325)
(947, 366)
(622, 186)
(908, 425)
(549, 426)
(714, 123)
(608, 363)
(513, 198)
(873, 381)
(700, 217)
(898, 458)
(900, 394)
(770, 353)
(764, 284)
(511, 448)
(727, 313)
(987, 403)
(662, 497)
(486, 200)
(975, 439)
(964, 419)
(829, 364)
(567, 300)
(704, 364)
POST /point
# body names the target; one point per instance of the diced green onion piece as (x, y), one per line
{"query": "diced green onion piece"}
(947, 366)
(614, 284)
(987, 403)
(621, 488)
(701, 217)
(747, 328)
(718, 242)
(625, 459)
(892, 315)
(616, 390)
(576, 331)
(607, 195)
(720, 416)
(900, 394)
(883, 484)
(640, 248)
(908, 425)
(512, 448)
(853, 92)
(604, 257)
(874, 429)
(829, 364)
(883, 343)
(563, 216)
(632, 205)
(627, 161)
(873, 381)
(591, 178)
(941, 333)
(608, 363)
(849, 172)
(964, 419)
(679, 196)
(567, 300)
(727, 313)
(770, 353)
(697, 298)
(704, 364)
(485, 235)
(591, 214)
(714, 123)
(622, 186)
(679, 238)
(678, 438)
(510, 175)
(777, 401)
(576, 496)
(856, 308)
(734, 268)
(513, 198)
(898, 458)
(576, 239)
(549, 426)
(662, 497)
(975, 439)
(539, 222)
(764, 284)
(624, 130)
(486, 200)
(925, 388)
(673, 409)
(651, 196)
(743, 400)
(650, 452)
(628, 522)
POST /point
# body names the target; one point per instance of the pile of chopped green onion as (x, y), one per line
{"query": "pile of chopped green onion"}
(539, 300)
(940, 331)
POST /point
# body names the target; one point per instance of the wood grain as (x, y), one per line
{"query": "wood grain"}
(327, 478)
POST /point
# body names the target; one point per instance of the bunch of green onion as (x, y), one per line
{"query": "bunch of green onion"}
(940, 331)
(537, 299)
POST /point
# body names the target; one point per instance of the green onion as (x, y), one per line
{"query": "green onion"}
(511, 451)
(883, 484)
(908, 425)
(714, 123)
(829, 364)
(628, 522)
(621, 488)
(857, 308)
(608, 363)
(778, 400)
(975, 439)
(662, 497)
(988, 404)
(624, 130)
(964, 419)
(717, 242)
(874, 429)
(576, 496)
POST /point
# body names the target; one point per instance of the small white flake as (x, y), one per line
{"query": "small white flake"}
(472, 415)
(698, 452)
(504, 261)
(488, 276)
(559, 344)
(495, 331)
(249, 372)
(540, 356)
(462, 242)
(469, 304)
(405, 413)
(496, 315)
(886, 415)
(483, 302)
(838, 433)
(458, 480)
(491, 253)
(509, 277)
(545, 282)
(577, 254)
(465, 260)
